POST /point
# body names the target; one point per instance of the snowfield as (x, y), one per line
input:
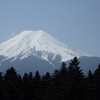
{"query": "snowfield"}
(31, 42)
(37, 50)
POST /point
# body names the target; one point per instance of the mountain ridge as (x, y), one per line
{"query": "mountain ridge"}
(29, 41)
(36, 47)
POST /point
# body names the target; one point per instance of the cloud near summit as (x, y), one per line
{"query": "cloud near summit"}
(12, 35)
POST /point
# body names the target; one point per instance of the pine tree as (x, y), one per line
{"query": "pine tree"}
(11, 85)
(31, 87)
(75, 77)
(97, 83)
(63, 70)
(57, 89)
(89, 88)
(26, 89)
(1, 87)
(37, 86)
(46, 79)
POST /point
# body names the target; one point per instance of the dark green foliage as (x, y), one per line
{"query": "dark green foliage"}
(97, 83)
(89, 88)
(45, 80)
(57, 88)
(66, 83)
(26, 87)
(76, 80)
(1, 87)
(37, 86)
(90, 77)
(12, 85)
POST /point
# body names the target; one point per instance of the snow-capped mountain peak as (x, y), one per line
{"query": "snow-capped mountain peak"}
(37, 50)
(37, 43)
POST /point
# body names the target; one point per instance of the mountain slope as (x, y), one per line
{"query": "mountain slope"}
(30, 42)
(36, 47)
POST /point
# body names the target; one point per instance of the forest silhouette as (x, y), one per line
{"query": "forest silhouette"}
(66, 83)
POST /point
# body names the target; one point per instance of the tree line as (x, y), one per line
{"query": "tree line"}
(66, 83)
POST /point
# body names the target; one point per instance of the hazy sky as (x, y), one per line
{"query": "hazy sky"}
(74, 22)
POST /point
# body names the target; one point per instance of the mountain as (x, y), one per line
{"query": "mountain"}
(37, 50)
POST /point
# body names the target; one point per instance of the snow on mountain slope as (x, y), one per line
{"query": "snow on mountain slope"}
(37, 50)
(35, 42)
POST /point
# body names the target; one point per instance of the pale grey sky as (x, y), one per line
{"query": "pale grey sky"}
(74, 22)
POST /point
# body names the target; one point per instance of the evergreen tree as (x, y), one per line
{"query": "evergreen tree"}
(47, 77)
(11, 85)
(26, 88)
(90, 77)
(89, 88)
(45, 80)
(64, 84)
(31, 86)
(97, 83)
(1, 87)
(76, 78)
(37, 86)
(63, 70)
(45, 83)
(57, 89)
